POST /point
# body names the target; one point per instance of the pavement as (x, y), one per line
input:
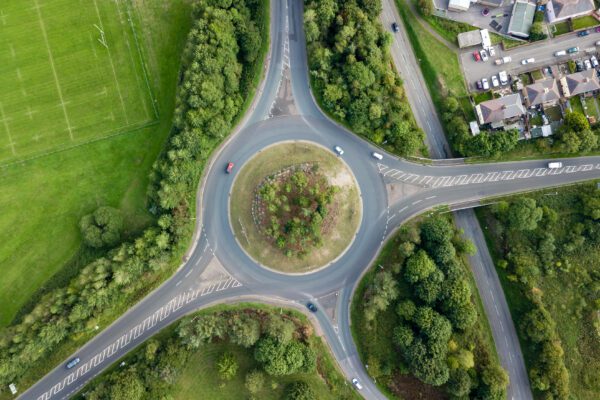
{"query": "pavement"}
(218, 270)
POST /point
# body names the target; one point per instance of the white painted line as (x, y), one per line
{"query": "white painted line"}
(417, 202)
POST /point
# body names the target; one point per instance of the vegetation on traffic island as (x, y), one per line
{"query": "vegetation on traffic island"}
(352, 75)
(546, 248)
(222, 57)
(239, 352)
(295, 207)
(419, 309)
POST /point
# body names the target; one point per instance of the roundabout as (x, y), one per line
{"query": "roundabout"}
(295, 207)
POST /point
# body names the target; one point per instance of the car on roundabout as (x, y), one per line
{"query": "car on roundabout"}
(229, 167)
(312, 307)
(338, 150)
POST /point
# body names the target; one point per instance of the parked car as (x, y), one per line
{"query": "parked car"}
(476, 56)
(73, 362)
(579, 65)
(560, 53)
(594, 61)
(311, 307)
(495, 81)
(377, 156)
(503, 60)
(598, 43)
(572, 50)
(479, 85)
(356, 383)
(554, 165)
(485, 12)
(485, 84)
(339, 150)
(587, 63)
(582, 33)
(229, 167)
(395, 27)
(597, 29)
(528, 61)
(484, 55)
(492, 51)
(503, 77)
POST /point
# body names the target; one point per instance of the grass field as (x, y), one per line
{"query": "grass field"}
(43, 199)
(68, 75)
(585, 21)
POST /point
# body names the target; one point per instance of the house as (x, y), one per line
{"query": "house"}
(474, 38)
(560, 10)
(521, 18)
(491, 3)
(459, 5)
(500, 111)
(584, 82)
(544, 93)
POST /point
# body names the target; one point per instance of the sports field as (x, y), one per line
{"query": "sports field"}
(71, 72)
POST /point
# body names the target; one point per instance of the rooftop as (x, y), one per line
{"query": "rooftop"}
(469, 39)
(499, 109)
(580, 82)
(521, 18)
(543, 91)
(558, 10)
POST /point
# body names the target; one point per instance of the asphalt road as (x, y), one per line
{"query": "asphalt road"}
(218, 270)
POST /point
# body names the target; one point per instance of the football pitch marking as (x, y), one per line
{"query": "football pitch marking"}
(53, 68)
(5, 123)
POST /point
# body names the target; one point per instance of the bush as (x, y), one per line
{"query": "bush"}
(299, 390)
(102, 228)
(255, 381)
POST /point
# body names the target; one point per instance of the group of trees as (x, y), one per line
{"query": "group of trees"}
(281, 345)
(221, 50)
(436, 334)
(293, 207)
(575, 135)
(537, 31)
(349, 61)
(538, 244)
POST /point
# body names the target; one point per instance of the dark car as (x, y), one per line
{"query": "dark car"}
(485, 12)
(311, 307)
(73, 362)
(597, 29)
(229, 167)
(582, 33)
(395, 27)
(479, 85)
(579, 65)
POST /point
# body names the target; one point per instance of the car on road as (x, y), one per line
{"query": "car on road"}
(528, 61)
(229, 167)
(479, 85)
(485, 84)
(587, 63)
(555, 165)
(572, 50)
(503, 77)
(484, 55)
(311, 307)
(582, 33)
(356, 383)
(476, 56)
(495, 81)
(73, 362)
(338, 150)
(377, 155)
(594, 61)
(395, 27)
(560, 53)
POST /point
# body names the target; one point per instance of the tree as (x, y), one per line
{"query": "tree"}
(244, 330)
(299, 390)
(227, 366)
(283, 358)
(538, 325)
(381, 294)
(591, 204)
(280, 328)
(495, 377)
(575, 121)
(425, 7)
(537, 31)
(459, 384)
(127, 386)
(418, 267)
(102, 228)
(523, 214)
(403, 336)
(255, 381)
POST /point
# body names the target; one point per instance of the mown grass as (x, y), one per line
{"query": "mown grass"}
(271, 161)
(565, 295)
(561, 28)
(585, 21)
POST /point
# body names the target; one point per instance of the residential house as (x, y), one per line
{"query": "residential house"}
(580, 83)
(521, 18)
(501, 111)
(544, 92)
(560, 10)
(459, 5)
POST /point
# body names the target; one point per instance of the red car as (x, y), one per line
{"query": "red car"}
(476, 56)
(229, 167)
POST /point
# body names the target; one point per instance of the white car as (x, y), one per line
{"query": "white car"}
(528, 61)
(594, 61)
(339, 150)
(356, 383)
(588, 64)
(484, 55)
(485, 84)
(495, 81)
(492, 51)
(503, 77)
(377, 156)
(554, 165)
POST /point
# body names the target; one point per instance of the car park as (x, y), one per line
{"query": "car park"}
(484, 55)
(395, 27)
(311, 307)
(339, 150)
(476, 56)
(528, 61)
(594, 61)
(479, 85)
(503, 77)
(229, 167)
(73, 362)
(485, 84)
(356, 383)
(572, 50)
(587, 63)
(377, 156)
(560, 53)
(495, 81)
(582, 33)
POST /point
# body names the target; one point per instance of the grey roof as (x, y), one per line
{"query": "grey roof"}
(542, 92)
(470, 38)
(580, 82)
(493, 3)
(562, 9)
(499, 109)
(521, 18)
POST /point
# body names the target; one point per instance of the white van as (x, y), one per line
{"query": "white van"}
(555, 165)
(560, 53)
(377, 156)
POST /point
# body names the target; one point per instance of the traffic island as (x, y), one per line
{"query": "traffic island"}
(295, 207)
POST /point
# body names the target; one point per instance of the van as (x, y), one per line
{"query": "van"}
(377, 156)
(560, 53)
(555, 165)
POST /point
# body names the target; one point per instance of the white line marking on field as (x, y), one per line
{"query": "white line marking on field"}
(53, 67)
(3, 18)
(30, 112)
(12, 51)
(5, 122)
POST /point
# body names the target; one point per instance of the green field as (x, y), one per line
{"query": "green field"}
(43, 199)
(68, 75)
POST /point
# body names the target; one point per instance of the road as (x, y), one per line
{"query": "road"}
(218, 270)
(482, 265)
